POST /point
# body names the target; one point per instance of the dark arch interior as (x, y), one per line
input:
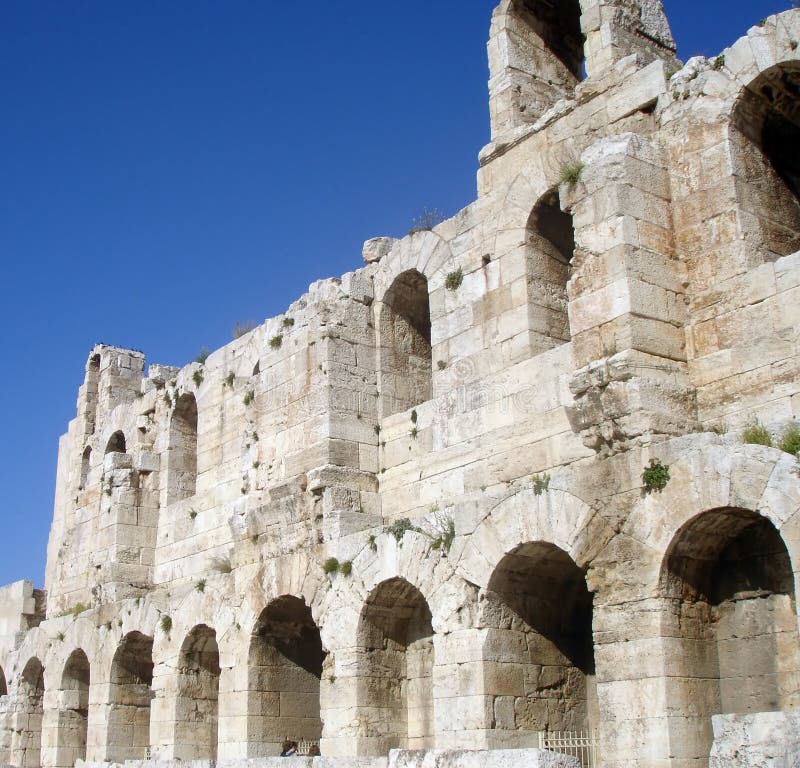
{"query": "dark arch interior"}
(73, 717)
(86, 460)
(548, 221)
(395, 637)
(29, 738)
(116, 443)
(182, 459)
(131, 694)
(33, 678)
(405, 343)
(94, 362)
(3, 684)
(558, 24)
(408, 297)
(285, 668)
(732, 619)
(767, 116)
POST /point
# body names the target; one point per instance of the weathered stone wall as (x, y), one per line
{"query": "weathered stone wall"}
(411, 511)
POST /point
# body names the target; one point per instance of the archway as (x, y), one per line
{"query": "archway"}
(86, 461)
(196, 706)
(130, 696)
(729, 626)
(116, 443)
(284, 671)
(551, 245)
(73, 714)
(539, 609)
(405, 344)
(765, 137)
(182, 450)
(26, 743)
(396, 658)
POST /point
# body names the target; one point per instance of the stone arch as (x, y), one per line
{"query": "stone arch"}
(394, 691)
(765, 131)
(91, 387)
(729, 624)
(405, 354)
(197, 700)
(73, 710)
(536, 57)
(557, 517)
(182, 450)
(550, 239)
(130, 697)
(26, 743)
(285, 661)
(538, 608)
(116, 443)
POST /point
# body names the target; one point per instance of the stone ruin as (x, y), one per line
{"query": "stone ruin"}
(491, 485)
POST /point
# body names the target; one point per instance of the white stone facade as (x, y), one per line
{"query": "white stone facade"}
(412, 512)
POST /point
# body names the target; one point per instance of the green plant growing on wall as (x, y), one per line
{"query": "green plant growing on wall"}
(249, 397)
(540, 484)
(426, 221)
(755, 433)
(166, 624)
(229, 379)
(443, 532)
(346, 568)
(201, 585)
(372, 544)
(202, 356)
(790, 440)
(571, 173)
(242, 329)
(413, 432)
(60, 637)
(400, 527)
(197, 378)
(167, 399)
(655, 476)
(276, 341)
(288, 322)
(222, 564)
(454, 279)
(330, 566)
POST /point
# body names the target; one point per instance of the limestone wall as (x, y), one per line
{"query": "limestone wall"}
(489, 486)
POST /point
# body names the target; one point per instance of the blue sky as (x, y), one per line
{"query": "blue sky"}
(170, 168)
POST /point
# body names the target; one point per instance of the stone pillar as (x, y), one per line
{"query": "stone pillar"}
(626, 303)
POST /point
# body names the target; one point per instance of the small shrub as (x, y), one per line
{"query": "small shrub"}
(400, 527)
(201, 585)
(60, 637)
(540, 484)
(414, 416)
(346, 568)
(373, 545)
(166, 624)
(413, 432)
(571, 174)
(249, 397)
(197, 378)
(441, 365)
(655, 477)
(229, 379)
(331, 566)
(720, 429)
(444, 531)
(427, 221)
(203, 356)
(242, 329)
(222, 564)
(755, 433)
(790, 440)
(377, 429)
(192, 514)
(276, 342)
(167, 399)
(718, 63)
(288, 322)
(454, 279)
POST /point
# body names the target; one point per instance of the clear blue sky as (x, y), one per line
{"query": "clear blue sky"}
(170, 168)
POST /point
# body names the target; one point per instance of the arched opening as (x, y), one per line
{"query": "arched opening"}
(405, 344)
(182, 452)
(284, 670)
(130, 695)
(396, 657)
(73, 714)
(27, 740)
(257, 369)
(116, 443)
(551, 246)
(90, 393)
(86, 461)
(765, 137)
(3, 684)
(196, 706)
(539, 609)
(730, 626)
(536, 57)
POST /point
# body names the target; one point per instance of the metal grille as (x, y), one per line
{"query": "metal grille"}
(585, 745)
